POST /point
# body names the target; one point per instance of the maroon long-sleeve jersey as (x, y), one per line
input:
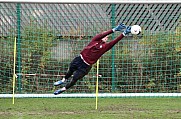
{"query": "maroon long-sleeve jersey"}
(96, 48)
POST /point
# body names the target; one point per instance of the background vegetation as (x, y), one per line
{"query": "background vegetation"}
(149, 63)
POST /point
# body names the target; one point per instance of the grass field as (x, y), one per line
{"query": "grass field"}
(84, 108)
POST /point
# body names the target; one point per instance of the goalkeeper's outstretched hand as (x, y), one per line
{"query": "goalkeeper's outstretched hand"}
(120, 27)
(127, 31)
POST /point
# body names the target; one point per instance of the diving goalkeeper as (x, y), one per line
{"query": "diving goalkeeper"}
(82, 64)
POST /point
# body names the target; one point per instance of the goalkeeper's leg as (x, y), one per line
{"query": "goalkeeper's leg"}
(69, 73)
(79, 74)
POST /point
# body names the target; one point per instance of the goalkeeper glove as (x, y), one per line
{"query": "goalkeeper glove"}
(120, 27)
(127, 31)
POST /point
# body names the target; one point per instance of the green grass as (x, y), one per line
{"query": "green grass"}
(84, 108)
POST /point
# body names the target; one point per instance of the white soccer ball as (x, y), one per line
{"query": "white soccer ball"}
(135, 29)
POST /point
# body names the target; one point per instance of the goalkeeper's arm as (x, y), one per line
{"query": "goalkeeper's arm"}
(120, 27)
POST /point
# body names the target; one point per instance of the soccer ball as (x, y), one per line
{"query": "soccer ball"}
(135, 29)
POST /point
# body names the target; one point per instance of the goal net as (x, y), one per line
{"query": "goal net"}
(49, 35)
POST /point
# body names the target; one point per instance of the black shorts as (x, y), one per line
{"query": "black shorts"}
(79, 64)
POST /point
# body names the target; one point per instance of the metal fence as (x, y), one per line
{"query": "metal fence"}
(50, 35)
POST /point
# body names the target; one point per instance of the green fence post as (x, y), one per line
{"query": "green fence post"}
(18, 8)
(113, 49)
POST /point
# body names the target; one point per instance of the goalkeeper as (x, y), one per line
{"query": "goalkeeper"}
(82, 64)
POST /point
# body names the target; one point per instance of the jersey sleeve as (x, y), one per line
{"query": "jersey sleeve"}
(113, 42)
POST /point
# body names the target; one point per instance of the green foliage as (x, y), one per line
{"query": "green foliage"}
(6, 62)
(36, 44)
(148, 64)
(157, 65)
